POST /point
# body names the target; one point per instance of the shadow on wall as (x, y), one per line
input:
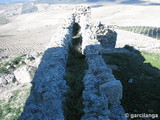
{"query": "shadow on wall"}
(49, 87)
(140, 80)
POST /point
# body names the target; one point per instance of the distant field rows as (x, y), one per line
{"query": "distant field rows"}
(153, 32)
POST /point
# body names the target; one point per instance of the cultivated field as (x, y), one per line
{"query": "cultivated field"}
(27, 33)
(31, 32)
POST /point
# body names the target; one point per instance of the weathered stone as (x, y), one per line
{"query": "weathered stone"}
(101, 88)
(112, 90)
(106, 36)
(7, 79)
(117, 112)
(25, 74)
(131, 80)
(3, 81)
(82, 11)
(32, 59)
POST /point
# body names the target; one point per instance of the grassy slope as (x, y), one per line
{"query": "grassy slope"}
(141, 96)
(10, 109)
(152, 58)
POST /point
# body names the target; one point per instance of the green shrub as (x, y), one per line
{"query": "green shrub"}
(3, 70)
(17, 59)
(152, 58)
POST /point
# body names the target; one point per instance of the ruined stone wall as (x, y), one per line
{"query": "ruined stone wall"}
(107, 37)
(49, 86)
(102, 93)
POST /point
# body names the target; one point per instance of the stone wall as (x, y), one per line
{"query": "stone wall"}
(107, 37)
(49, 86)
(102, 93)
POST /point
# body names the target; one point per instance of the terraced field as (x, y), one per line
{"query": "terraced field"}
(153, 32)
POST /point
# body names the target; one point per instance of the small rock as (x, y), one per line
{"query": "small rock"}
(3, 81)
(10, 95)
(14, 66)
(31, 59)
(131, 80)
(8, 67)
(7, 79)
(10, 78)
(24, 74)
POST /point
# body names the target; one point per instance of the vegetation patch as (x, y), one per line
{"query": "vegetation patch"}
(140, 78)
(11, 108)
(152, 58)
(17, 61)
(3, 70)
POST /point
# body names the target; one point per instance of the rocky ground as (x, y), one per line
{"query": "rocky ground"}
(15, 77)
(17, 71)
